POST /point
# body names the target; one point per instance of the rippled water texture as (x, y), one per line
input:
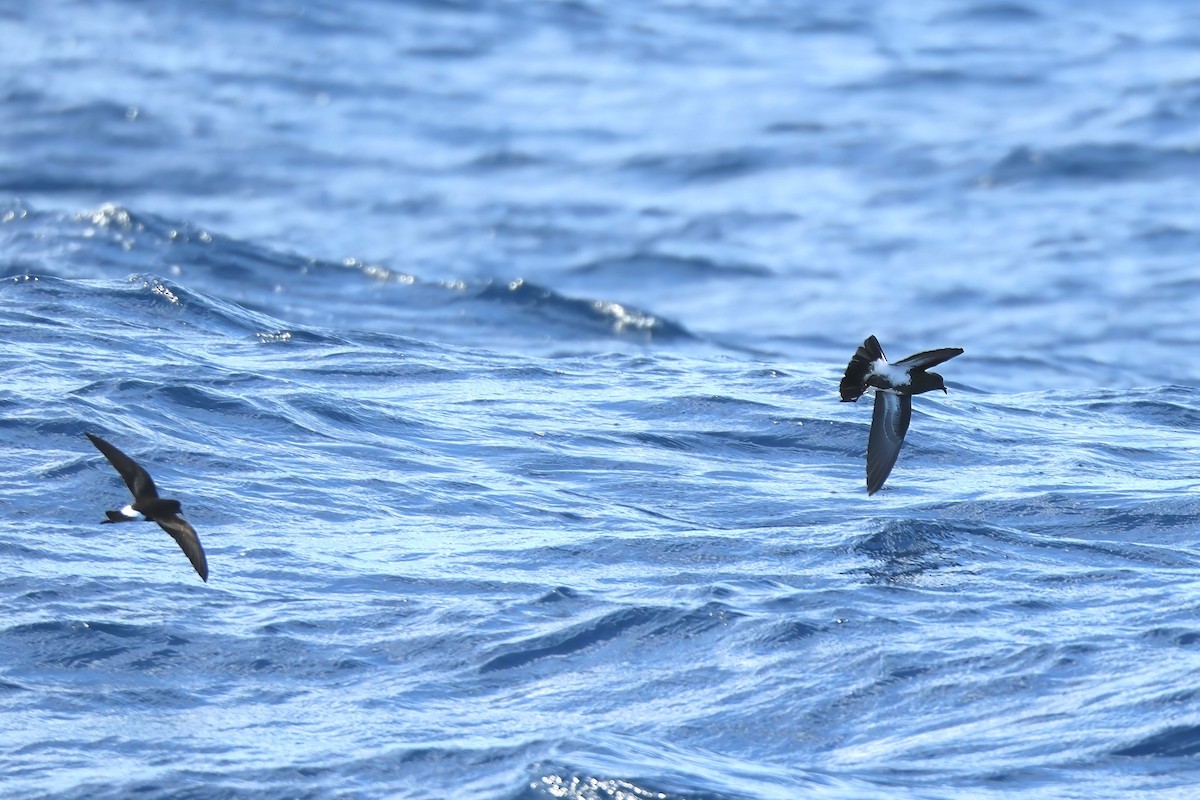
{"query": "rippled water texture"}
(492, 349)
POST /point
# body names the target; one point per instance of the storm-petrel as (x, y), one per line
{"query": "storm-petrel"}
(894, 386)
(149, 506)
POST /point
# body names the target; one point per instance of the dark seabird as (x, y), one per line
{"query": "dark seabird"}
(894, 386)
(149, 506)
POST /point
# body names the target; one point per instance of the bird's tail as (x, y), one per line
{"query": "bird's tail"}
(854, 381)
(116, 516)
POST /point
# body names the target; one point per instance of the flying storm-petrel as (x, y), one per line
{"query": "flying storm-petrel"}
(149, 506)
(894, 386)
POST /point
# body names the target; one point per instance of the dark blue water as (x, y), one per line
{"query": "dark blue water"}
(493, 348)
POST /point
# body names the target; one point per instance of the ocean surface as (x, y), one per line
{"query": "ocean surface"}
(492, 349)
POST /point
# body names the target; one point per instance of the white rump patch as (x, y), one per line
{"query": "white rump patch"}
(129, 513)
(896, 376)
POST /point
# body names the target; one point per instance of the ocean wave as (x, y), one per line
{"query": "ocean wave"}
(206, 268)
(1093, 163)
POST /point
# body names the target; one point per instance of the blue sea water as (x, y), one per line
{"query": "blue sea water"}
(492, 348)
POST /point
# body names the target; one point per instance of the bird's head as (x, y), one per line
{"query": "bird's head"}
(927, 382)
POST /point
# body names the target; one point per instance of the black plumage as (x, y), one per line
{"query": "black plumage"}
(146, 502)
(894, 386)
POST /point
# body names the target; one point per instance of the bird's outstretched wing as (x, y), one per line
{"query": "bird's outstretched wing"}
(137, 479)
(889, 424)
(929, 358)
(189, 542)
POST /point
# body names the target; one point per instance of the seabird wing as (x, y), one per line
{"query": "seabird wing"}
(854, 382)
(929, 358)
(183, 533)
(889, 424)
(137, 479)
